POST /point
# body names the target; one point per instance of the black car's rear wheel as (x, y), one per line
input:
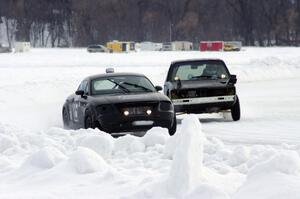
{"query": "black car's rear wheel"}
(66, 118)
(173, 128)
(235, 110)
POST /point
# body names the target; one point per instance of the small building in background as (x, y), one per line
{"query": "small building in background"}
(150, 46)
(21, 47)
(121, 46)
(177, 46)
(211, 46)
(182, 45)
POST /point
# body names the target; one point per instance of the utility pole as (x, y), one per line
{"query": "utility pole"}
(170, 31)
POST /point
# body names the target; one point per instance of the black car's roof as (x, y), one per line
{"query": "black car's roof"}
(105, 75)
(194, 60)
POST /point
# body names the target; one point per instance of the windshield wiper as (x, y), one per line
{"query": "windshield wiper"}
(200, 76)
(122, 87)
(139, 86)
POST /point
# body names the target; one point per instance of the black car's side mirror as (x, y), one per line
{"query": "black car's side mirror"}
(79, 92)
(158, 88)
(232, 79)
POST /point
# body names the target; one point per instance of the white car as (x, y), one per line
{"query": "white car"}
(97, 48)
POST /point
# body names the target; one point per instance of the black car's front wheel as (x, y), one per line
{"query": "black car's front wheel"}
(89, 123)
(172, 129)
(235, 110)
(66, 118)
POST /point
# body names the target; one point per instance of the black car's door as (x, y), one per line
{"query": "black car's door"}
(79, 105)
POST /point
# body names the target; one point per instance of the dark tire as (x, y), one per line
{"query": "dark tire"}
(173, 128)
(89, 123)
(235, 110)
(66, 118)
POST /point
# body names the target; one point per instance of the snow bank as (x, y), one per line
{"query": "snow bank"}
(129, 144)
(187, 162)
(156, 135)
(46, 158)
(287, 162)
(207, 192)
(278, 177)
(103, 144)
(85, 161)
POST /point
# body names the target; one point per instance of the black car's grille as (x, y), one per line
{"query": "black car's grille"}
(206, 92)
(137, 108)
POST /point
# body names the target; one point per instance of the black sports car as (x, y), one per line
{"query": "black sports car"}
(202, 86)
(118, 102)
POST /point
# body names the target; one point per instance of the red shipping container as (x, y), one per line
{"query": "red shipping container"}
(211, 46)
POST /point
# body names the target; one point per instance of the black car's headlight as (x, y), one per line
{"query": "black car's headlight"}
(165, 106)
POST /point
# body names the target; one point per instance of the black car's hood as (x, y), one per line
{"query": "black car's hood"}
(128, 98)
(201, 84)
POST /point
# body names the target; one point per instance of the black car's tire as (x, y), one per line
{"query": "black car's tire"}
(173, 128)
(89, 123)
(66, 118)
(235, 110)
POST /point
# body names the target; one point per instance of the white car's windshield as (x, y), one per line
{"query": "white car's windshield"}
(200, 70)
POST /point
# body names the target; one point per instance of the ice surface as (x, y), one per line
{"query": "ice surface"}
(257, 157)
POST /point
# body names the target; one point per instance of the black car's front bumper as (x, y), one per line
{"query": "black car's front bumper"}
(118, 122)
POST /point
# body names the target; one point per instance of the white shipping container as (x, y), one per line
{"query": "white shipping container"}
(150, 46)
(22, 47)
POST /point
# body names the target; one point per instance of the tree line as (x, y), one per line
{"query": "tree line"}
(64, 23)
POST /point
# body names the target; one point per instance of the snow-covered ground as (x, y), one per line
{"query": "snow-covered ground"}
(257, 157)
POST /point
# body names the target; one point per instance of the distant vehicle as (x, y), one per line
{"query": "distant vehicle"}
(202, 86)
(118, 102)
(97, 48)
(5, 49)
(232, 46)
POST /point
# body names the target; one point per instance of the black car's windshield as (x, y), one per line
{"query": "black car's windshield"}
(207, 69)
(121, 84)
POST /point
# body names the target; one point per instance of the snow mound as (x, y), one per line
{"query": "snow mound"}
(7, 142)
(45, 158)
(129, 144)
(287, 162)
(239, 156)
(156, 135)
(103, 144)
(85, 161)
(208, 192)
(278, 177)
(186, 167)
(5, 163)
(137, 146)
